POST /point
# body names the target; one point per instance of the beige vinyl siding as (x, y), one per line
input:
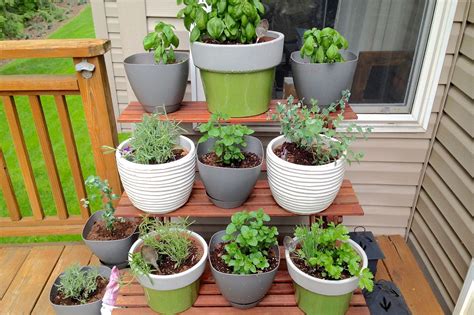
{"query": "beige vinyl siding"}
(441, 232)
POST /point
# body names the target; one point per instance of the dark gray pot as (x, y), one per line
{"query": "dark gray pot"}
(109, 252)
(242, 291)
(84, 309)
(322, 81)
(229, 187)
(158, 86)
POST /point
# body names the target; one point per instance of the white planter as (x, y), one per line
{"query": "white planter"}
(159, 188)
(326, 287)
(303, 189)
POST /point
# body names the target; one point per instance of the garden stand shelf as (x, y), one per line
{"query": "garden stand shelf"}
(279, 300)
(196, 112)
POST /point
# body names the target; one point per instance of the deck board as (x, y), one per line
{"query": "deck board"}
(11, 259)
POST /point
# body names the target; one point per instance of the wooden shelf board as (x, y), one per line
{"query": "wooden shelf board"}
(199, 205)
(196, 112)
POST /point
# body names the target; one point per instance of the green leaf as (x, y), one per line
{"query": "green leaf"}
(195, 34)
(320, 55)
(308, 46)
(250, 31)
(215, 27)
(150, 41)
(332, 52)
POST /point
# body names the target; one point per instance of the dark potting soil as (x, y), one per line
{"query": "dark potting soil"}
(290, 152)
(235, 42)
(251, 160)
(178, 153)
(121, 230)
(220, 265)
(59, 299)
(314, 271)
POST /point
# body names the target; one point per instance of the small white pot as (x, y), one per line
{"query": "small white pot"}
(303, 189)
(159, 188)
(326, 287)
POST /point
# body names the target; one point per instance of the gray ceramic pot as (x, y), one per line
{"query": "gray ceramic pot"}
(84, 309)
(322, 81)
(158, 87)
(242, 291)
(109, 252)
(229, 187)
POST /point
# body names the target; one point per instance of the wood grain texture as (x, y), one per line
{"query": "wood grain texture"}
(196, 112)
(48, 154)
(11, 259)
(13, 119)
(39, 82)
(8, 191)
(53, 48)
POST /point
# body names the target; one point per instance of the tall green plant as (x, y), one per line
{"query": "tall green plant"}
(78, 284)
(163, 41)
(322, 46)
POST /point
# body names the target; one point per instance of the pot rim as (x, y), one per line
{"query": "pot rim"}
(181, 274)
(277, 36)
(239, 275)
(353, 58)
(102, 241)
(182, 53)
(183, 160)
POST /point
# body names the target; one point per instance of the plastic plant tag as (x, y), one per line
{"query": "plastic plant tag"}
(262, 29)
(289, 243)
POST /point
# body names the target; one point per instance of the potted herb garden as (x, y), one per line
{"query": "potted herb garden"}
(159, 78)
(320, 70)
(235, 53)
(245, 258)
(229, 161)
(79, 290)
(108, 237)
(326, 267)
(168, 261)
(306, 164)
(157, 165)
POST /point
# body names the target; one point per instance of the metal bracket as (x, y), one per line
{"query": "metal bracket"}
(85, 69)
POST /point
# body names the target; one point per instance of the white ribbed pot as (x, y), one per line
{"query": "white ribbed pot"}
(303, 189)
(159, 188)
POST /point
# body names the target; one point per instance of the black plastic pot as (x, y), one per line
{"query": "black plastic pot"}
(386, 299)
(366, 240)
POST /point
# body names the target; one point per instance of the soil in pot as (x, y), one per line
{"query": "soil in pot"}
(219, 264)
(250, 160)
(178, 154)
(234, 42)
(102, 282)
(290, 152)
(99, 231)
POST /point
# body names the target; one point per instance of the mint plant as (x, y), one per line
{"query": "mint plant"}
(322, 46)
(222, 20)
(312, 129)
(163, 41)
(249, 242)
(326, 249)
(107, 196)
(230, 139)
(78, 284)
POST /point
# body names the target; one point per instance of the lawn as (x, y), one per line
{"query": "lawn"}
(80, 26)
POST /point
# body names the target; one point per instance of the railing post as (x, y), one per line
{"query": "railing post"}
(100, 118)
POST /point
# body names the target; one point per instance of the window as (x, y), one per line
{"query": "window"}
(390, 38)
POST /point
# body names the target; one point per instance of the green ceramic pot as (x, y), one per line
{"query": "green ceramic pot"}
(172, 301)
(313, 303)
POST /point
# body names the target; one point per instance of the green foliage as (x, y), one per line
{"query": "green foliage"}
(106, 195)
(327, 248)
(230, 139)
(249, 242)
(78, 284)
(163, 41)
(153, 141)
(222, 20)
(311, 129)
(322, 46)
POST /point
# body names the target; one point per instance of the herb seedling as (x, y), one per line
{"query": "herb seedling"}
(322, 46)
(78, 284)
(163, 41)
(249, 242)
(230, 139)
(222, 20)
(312, 128)
(107, 197)
(327, 249)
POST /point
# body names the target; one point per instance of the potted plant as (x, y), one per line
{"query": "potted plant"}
(320, 70)
(159, 78)
(326, 267)
(157, 165)
(108, 237)
(306, 165)
(245, 258)
(235, 53)
(168, 261)
(79, 290)
(229, 161)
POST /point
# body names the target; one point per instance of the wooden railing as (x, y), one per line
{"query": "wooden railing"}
(97, 103)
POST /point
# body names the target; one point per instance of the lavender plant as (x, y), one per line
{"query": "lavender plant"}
(78, 284)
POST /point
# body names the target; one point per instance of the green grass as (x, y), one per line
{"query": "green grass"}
(79, 27)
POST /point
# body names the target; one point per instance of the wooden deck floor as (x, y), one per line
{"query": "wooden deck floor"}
(28, 271)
